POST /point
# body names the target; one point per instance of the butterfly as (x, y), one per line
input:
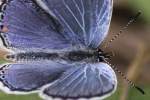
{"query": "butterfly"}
(54, 48)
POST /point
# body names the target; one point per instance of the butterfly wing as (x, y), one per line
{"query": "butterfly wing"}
(80, 22)
(85, 21)
(29, 77)
(83, 81)
(31, 27)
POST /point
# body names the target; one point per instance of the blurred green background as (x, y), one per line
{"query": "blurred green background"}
(132, 51)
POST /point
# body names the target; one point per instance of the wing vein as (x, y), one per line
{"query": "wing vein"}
(77, 7)
(101, 11)
(83, 21)
(65, 22)
(100, 17)
(71, 82)
(73, 15)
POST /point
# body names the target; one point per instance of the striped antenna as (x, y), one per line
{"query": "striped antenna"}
(115, 68)
(125, 78)
(133, 19)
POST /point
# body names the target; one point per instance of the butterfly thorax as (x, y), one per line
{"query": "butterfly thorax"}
(90, 56)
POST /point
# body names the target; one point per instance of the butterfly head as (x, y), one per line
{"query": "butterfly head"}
(103, 56)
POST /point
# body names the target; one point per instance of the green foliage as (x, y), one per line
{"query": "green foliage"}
(135, 95)
(18, 97)
(143, 5)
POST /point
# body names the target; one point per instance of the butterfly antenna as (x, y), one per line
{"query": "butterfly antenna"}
(133, 19)
(125, 78)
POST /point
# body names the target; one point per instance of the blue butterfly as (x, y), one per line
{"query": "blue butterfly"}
(54, 47)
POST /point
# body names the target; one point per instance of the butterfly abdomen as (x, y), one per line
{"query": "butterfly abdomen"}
(70, 56)
(32, 56)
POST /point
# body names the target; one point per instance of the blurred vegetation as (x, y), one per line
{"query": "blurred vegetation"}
(132, 52)
(18, 97)
(143, 5)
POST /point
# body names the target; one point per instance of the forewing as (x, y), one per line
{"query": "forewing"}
(29, 77)
(84, 21)
(31, 27)
(83, 81)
